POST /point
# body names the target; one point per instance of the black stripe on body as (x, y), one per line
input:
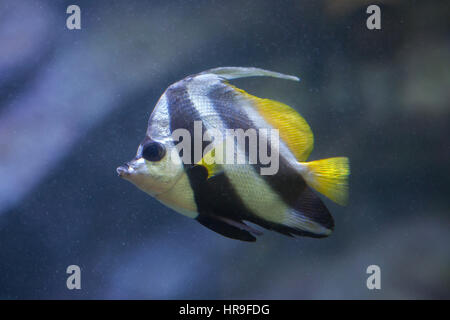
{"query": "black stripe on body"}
(182, 114)
(214, 197)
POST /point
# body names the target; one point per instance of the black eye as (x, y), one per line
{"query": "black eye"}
(153, 151)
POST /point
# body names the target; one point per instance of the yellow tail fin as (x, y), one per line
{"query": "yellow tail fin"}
(329, 177)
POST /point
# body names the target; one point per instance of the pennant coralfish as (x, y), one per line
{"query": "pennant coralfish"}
(222, 197)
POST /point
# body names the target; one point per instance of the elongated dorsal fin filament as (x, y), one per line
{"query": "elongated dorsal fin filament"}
(229, 73)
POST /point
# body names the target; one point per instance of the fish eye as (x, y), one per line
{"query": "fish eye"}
(153, 151)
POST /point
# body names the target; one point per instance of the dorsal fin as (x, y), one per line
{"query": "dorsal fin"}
(229, 73)
(294, 130)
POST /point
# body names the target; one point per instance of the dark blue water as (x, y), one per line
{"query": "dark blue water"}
(74, 105)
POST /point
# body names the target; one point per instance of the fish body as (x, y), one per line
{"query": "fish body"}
(223, 196)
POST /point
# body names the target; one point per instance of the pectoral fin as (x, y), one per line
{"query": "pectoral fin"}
(212, 160)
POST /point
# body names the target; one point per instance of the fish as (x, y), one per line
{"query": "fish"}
(231, 198)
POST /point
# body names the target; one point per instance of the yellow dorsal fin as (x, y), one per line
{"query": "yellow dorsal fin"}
(294, 130)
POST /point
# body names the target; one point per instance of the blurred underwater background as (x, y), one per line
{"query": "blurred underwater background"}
(74, 105)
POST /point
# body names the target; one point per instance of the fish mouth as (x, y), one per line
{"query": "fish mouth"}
(123, 170)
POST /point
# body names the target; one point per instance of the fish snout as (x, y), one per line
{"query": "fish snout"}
(129, 168)
(123, 170)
